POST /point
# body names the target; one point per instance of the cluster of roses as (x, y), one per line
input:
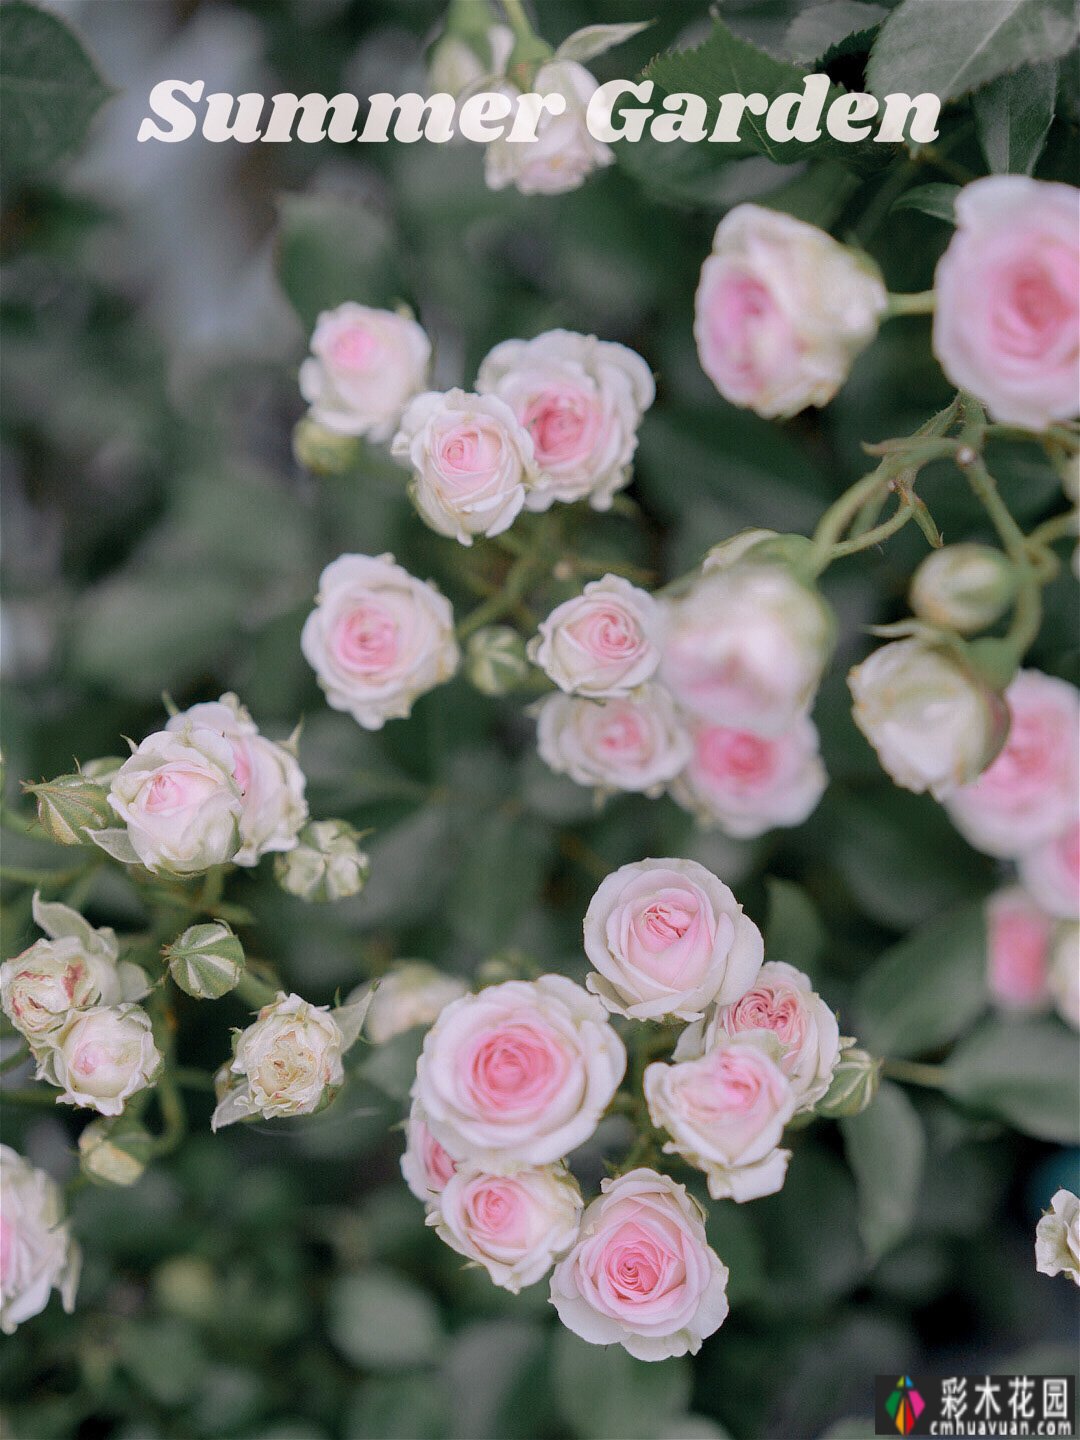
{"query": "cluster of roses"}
(514, 1078)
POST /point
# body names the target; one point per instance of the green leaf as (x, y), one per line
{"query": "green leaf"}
(1025, 1073)
(603, 1391)
(1013, 115)
(926, 990)
(517, 849)
(381, 1321)
(886, 1149)
(50, 89)
(951, 47)
(938, 200)
(839, 27)
(793, 930)
(331, 250)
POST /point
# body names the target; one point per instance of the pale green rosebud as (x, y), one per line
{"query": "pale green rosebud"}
(495, 660)
(69, 806)
(323, 451)
(115, 1152)
(326, 864)
(206, 961)
(101, 770)
(963, 587)
(854, 1084)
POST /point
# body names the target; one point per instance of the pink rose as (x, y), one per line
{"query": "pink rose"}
(603, 643)
(666, 937)
(1018, 938)
(1007, 294)
(1028, 794)
(635, 743)
(642, 1274)
(520, 1073)
(365, 366)
(746, 784)
(1051, 874)
(425, 1165)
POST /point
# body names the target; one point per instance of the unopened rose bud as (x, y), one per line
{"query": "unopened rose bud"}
(854, 1084)
(115, 1152)
(206, 961)
(323, 451)
(69, 806)
(963, 587)
(327, 863)
(495, 660)
(102, 769)
(934, 722)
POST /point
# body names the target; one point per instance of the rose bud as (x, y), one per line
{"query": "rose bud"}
(38, 1254)
(781, 311)
(637, 743)
(364, 368)
(746, 647)
(69, 806)
(519, 1074)
(603, 643)
(1028, 795)
(327, 863)
(377, 638)
(666, 938)
(934, 723)
(471, 461)
(642, 1274)
(102, 1057)
(206, 961)
(564, 151)
(115, 1152)
(495, 660)
(287, 1063)
(581, 399)
(413, 993)
(1007, 299)
(1064, 976)
(515, 1226)
(1057, 1238)
(1017, 951)
(426, 1165)
(323, 451)
(855, 1082)
(1050, 873)
(963, 587)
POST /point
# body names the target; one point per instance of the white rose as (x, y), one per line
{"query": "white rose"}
(635, 743)
(603, 643)
(564, 151)
(726, 1113)
(515, 1226)
(934, 724)
(783, 1001)
(1064, 974)
(75, 969)
(581, 400)
(1057, 1238)
(746, 647)
(781, 311)
(746, 784)
(102, 1057)
(37, 1253)
(378, 638)
(667, 938)
(412, 993)
(1050, 873)
(520, 1073)
(287, 1063)
(271, 782)
(177, 796)
(472, 462)
(426, 1165)
(364, 368)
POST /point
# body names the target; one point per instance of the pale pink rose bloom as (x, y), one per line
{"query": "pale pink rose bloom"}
(520, 1073)
(425, 1165)
(726, 1113)
(642, 1274)
(1018, 938)
(581, 399)
(1029, 793)
(781, 311)
(746, 784)
(783, 1001)
(1051, 874)
(515, 1226)
(102, 1057)
(635, 743)
(37, 1252)
(1007, 299)
(603, 643)
(666, 937)
(564, 151)
(365, 366)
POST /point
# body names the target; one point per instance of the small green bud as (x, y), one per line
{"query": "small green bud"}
(963, 587)
(207, 960)
(854, 1084)
(69, 806)
(115, 1152)
(495, 660)
(323, 451)
(326, 864)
